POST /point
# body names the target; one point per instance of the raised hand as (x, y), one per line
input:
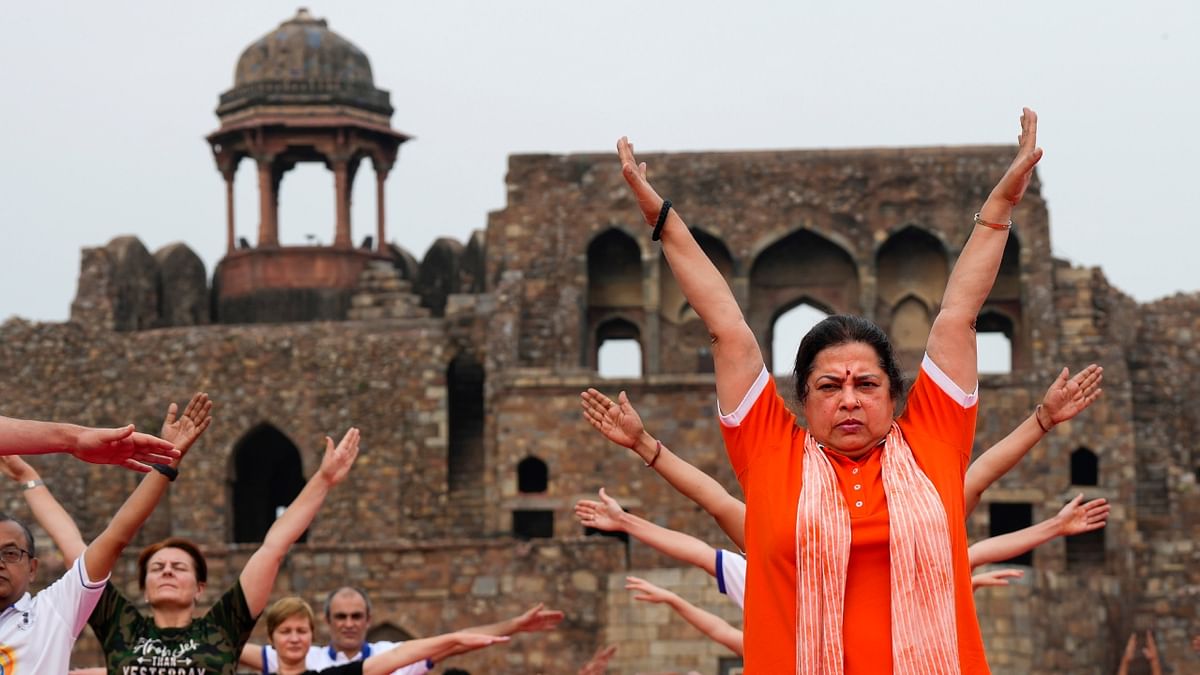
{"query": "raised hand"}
(1130, 648)
(618, 421)
(598, 664)
(336, 463)
(1012, 185)
(17, 469)
(1077, 519)
(465, 642)
(1067, 398)
(537, 619)
(635, 175)
(994, 578)
(124, 446)
(183, 430)
(646, 591)
(602, 515)
(1150, 651)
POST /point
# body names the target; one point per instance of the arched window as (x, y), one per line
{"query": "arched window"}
(787, 331)
(614, 264)
(801, 267)
(465, 420)
(1085, 467)
(994, 337)
(267, 477)
(618, 349)
(532, 475)
(386, 632)
(686, 343)
(912, 262)
(910, 329)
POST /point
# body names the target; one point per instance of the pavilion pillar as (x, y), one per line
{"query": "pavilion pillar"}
(341, 184)
(381, 219)
(230, 230)
(268, 202)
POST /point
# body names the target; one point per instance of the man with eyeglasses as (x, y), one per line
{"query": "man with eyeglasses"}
(37, 632)
(348, 613)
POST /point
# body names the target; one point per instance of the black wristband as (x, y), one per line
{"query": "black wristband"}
(662, 219)
(169, 472)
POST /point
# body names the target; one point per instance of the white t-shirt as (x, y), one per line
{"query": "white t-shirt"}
(320, 658)
(731, 575)
(38, 632)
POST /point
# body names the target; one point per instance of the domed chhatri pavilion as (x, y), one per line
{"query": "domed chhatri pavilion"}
(464, 371)
(301, 93)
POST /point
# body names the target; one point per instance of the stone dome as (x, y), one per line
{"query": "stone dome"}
(302, 62)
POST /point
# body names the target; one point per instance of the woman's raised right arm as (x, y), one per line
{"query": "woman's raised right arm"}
(736, 357)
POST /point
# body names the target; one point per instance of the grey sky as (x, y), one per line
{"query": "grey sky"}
(106, 106)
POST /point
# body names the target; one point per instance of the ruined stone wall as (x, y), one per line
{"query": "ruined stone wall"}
(748, 201)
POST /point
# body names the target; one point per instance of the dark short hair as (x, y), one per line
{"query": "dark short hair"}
(29, 543)
(840, 329)
(185, 545)
(339, 589)
(455, 671)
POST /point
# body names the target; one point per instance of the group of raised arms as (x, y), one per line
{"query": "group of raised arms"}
(850, 553)
(39, 631)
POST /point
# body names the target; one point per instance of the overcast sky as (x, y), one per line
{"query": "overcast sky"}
(106, 105)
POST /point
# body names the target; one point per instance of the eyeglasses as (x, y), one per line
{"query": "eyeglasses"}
(12, 555)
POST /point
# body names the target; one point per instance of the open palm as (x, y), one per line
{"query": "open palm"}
(617, 420)
(1066, 398)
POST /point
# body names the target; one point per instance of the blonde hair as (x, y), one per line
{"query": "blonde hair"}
(284, 609)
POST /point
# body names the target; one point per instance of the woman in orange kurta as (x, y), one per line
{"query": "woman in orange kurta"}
(855, 540)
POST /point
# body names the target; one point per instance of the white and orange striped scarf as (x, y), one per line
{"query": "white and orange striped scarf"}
(924, 635)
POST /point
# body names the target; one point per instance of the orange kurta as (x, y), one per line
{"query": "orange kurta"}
(766, 449)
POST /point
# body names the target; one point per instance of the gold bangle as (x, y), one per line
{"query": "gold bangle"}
(994, 226)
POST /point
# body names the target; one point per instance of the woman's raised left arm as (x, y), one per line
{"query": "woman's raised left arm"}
(952, 338)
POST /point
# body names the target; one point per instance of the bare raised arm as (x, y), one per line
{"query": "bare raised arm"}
(434, 648)
(534, 620)
(608, 515)
(182, 432)
(46, 510)
(258, 576)
(1074, 518)
(951, 342)
(598, 664)
(706, 622)
(620, 423)
(994, 578)
(123, 446)
(1065, 399)
(736, 356)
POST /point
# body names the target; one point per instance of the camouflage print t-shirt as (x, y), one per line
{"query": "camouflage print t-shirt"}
(210, 645)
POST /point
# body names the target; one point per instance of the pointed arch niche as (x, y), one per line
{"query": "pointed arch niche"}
(787, 330)
(911, 269)
(1005, 301)
(618, 349)
(686, 343)
(801, 267)
(614, 279)
(267, 476)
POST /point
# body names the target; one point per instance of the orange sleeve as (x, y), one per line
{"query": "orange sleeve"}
(940, 417)
(760, 424)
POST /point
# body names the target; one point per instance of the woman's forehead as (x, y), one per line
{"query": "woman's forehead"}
(856, 358)
(171, 555)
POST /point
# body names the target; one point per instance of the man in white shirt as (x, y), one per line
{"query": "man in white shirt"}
(348, 613)
(38, 632)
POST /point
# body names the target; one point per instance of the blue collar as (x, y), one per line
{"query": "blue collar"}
(364, 653)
